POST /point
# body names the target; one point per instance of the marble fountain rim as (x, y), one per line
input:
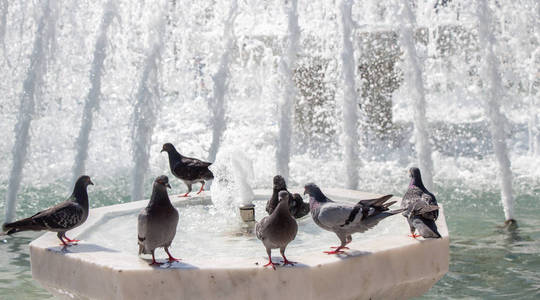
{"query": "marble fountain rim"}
(120, 260)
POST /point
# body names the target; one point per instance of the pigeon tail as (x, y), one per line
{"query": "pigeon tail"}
(396, 211)
(27, 224)
(426, 228)
(378, 202)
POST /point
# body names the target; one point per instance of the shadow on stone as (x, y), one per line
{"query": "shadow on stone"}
(80, 248)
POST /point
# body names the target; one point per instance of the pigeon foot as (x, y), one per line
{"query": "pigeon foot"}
(155, 263)
(70, 240)
(184, 195)
(334, 252)
(202, 187)
(68, 243)
(346, 248)
(270, 263)
(414, 235)
(288, 262)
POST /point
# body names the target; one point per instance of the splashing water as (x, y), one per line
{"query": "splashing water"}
(287, 63)
(423, 148)
(233, 178)
(496, 119)
(217, 102)
(34, 78)
(94, 94)
(146, 110)
(350, 102)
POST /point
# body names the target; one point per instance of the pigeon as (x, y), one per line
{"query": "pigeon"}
(59, 218)
(343, 218)
(189, 170)
(277, 230)
(421, 208)
(157, 222)
(297, 206)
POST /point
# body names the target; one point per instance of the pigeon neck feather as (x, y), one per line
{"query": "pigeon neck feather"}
(283, 206)
(417, 181)
(174, 155)
(80, 194)
(159, 197)
(318, 196)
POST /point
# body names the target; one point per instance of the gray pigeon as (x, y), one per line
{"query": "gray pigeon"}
(277, 230)
(59, 218)
(420, 206)
(344, 219)
(297, 206)
(189, 170)
(157, 222)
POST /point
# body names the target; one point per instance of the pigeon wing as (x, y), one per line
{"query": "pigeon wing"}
(259, 228)
(63, 216)
(141, 229)
(193, 162)
(377, 202)
(412, 195)
(429, 199)
(333, 215)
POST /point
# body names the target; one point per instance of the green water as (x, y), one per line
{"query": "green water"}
(486, 262)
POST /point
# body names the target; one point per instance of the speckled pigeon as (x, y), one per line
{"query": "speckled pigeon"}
(189, 170)
(420, 206)
(277, 230)
(157, 222)
(297, 206)
(343, 218)
(59, 218)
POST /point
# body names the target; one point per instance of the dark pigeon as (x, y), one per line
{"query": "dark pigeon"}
(421, 208)
(277, 230)
(157, 222)
(59, 218)
(297, 206)
(344, 218)
(189, 170)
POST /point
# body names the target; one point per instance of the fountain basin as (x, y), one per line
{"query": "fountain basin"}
(380, 265)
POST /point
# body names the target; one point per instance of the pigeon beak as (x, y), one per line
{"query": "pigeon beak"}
(305, 192)
(167, 185)
(161, 150)
(90, 182)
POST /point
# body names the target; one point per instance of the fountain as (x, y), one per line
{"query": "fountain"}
(228, 89)
(217, 102)
(492, 106)
(34, 78)
(423, 148)
(215, 257)
(94, 94)
(350, 102)
(287, 65)
(146, 109)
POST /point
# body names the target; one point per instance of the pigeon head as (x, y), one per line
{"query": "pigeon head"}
(416, 178)
(279, 183)
(162, 180)
(283, 196)
(168, 147)
(314, 191)
(79, 191)
(83, 181)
